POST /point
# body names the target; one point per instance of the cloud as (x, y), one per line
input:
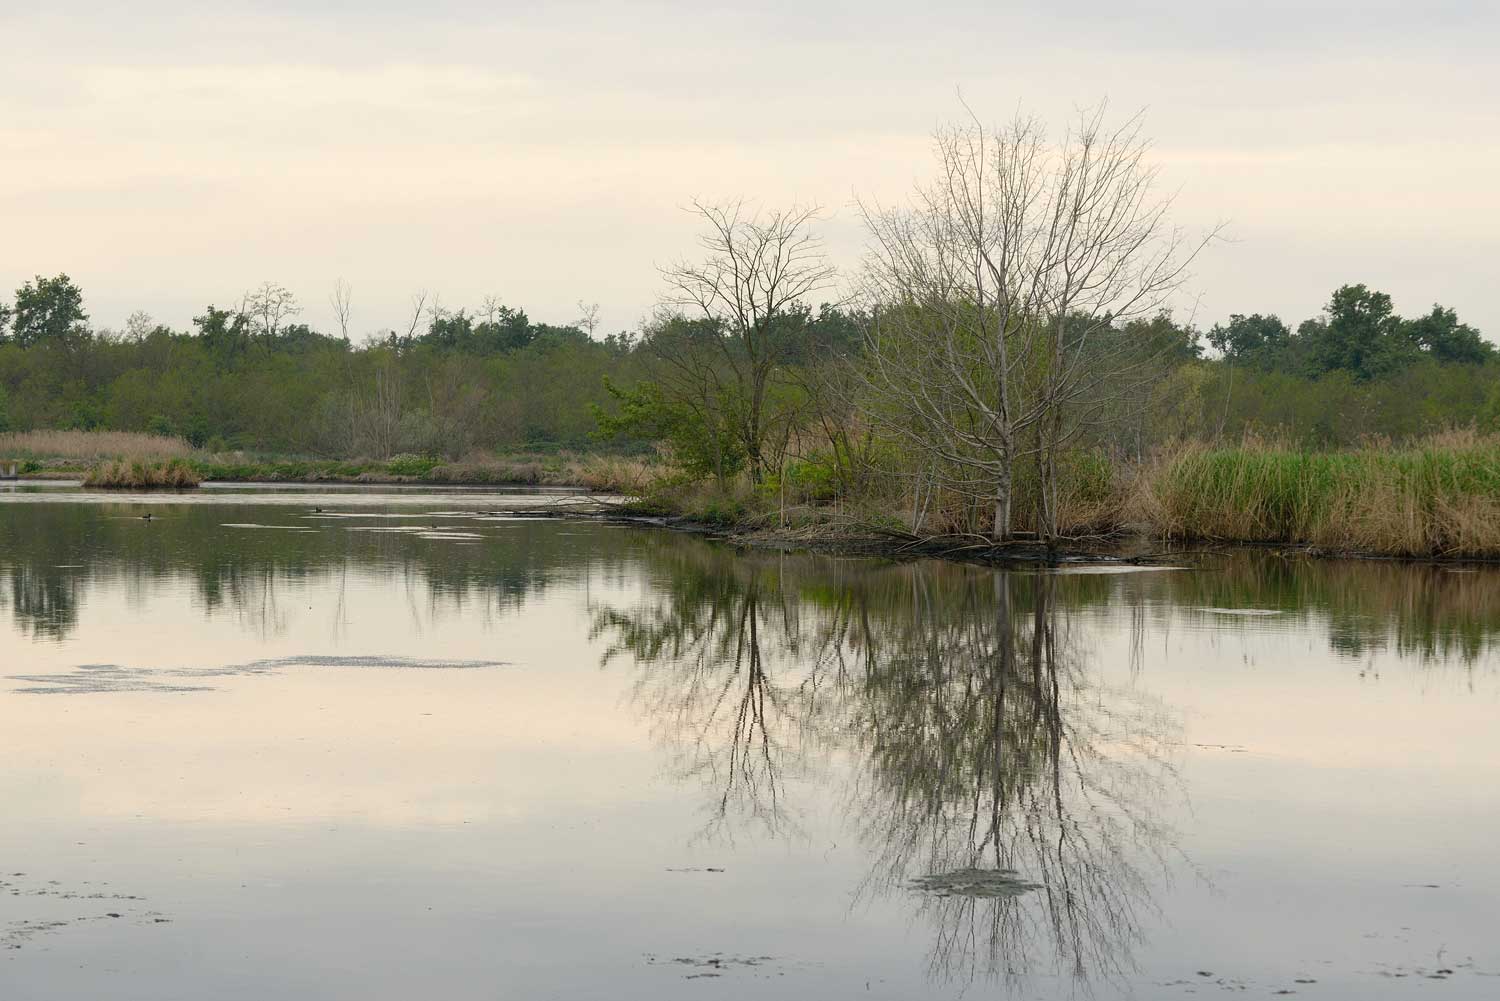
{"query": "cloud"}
(168, 159)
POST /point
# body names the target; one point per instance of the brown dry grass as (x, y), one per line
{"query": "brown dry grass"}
(92, 446)
(142, 474)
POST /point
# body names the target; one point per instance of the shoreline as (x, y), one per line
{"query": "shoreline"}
(1123, 549)
(1135, 547)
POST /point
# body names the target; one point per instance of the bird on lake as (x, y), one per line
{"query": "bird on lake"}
(147, 516)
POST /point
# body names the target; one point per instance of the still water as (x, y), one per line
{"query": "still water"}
(412, 745)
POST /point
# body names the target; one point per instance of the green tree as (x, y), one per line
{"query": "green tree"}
(1444, 338)
(1361, 335)
(225, 332)
(49, 310)
(1262, 341)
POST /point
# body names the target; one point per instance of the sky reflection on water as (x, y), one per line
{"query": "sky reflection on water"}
(579, 760)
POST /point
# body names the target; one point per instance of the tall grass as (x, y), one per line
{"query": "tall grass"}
(1436, 497)
(91, 446)
(142, 474)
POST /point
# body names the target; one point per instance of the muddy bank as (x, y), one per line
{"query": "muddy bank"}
(1123, 549)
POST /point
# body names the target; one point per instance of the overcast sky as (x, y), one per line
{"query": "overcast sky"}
(172, 155)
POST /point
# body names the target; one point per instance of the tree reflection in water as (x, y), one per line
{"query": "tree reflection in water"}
(714, 647)
(994, 778)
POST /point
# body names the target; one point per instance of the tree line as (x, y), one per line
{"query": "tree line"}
(1011, 318)
(252, 376)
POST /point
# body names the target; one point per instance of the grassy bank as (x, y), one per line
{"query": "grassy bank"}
(1437, 497)
(52, 454)
(608, 474)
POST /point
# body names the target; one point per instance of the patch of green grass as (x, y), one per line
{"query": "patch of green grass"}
(1432, 498)
(415, 466)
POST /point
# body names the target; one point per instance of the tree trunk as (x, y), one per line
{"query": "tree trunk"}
(1001, 529)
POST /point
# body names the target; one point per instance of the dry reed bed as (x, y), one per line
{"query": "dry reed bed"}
(142, 474)
(92, 446)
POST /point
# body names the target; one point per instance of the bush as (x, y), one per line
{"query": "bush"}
(813, 480)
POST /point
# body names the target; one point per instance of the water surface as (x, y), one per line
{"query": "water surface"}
(418, 745)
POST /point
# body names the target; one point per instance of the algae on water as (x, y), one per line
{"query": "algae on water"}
(975, 883)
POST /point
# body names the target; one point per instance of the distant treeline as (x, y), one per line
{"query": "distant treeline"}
(250, 377)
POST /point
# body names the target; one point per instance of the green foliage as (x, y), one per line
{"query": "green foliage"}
(814, 479)
(1444, 339)
(412, 465)
(701, 444)
(1362, 335)
(49, 310)
(1260, 341)
(721, 510)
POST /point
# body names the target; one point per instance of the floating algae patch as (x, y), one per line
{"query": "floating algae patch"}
(1240, 611)
(1084, 569)
(712, 965)
(408, 515)
(69, 906)
(975, 883)
(88, 679)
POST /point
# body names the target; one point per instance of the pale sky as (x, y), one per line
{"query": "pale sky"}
(172, 155)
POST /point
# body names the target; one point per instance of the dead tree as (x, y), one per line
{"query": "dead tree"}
(999, 294)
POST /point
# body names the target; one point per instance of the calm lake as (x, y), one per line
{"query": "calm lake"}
(381, 745)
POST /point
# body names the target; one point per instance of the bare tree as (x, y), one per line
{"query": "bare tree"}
(341, 299)
(418, 307)
(588, 319)
(758, 267)
(268, 307)
(383, 413)
(490, 307)
(999, 295)
(138, 326)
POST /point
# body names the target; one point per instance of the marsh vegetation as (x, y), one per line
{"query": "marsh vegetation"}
(1010, 360)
